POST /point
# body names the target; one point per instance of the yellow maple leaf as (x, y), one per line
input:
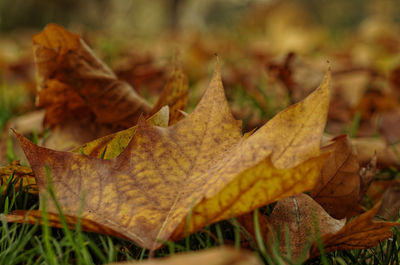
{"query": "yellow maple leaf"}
(201, 163)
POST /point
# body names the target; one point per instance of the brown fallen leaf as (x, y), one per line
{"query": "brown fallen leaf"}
(338, 188)
(73, 82)
(302, 216)
(20, 173)
(362, 232)
(199, 167)
(214, 256)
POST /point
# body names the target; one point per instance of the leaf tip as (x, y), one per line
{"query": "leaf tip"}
(19, 136)
(328, 76)
(25, 143)
(54, 36)
(217, 71)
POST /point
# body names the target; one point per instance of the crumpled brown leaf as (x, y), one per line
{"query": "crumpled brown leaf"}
(338, 188)
(302, 216)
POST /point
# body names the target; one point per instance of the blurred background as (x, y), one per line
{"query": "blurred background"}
(150, 18)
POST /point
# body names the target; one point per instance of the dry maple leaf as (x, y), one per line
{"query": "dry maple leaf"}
(200, 163)
(362, 232)
(302, 216)
(338, 187)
